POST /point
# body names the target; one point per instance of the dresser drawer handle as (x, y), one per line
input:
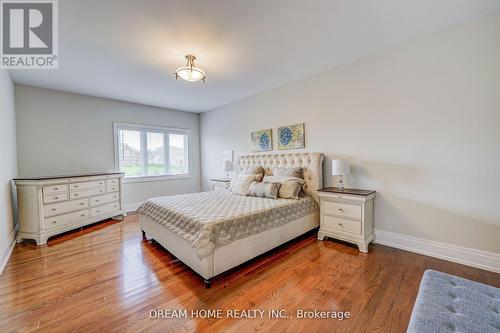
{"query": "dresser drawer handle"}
(81, 204)
(114, 197)
(82, 215)
(76, 194)
(56, 188)
(341, 210)
(97, 201)
(98, 211)
(54, 222)
(53, 209)
(341, 225)
(56, 198)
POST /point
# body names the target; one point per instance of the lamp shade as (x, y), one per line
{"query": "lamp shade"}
(340, 168)
(228, 166)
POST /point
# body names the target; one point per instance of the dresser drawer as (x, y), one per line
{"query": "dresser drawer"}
(100, 210)
(51, 189)
(65, 207)
(111, 182)
(342, 209)
(86, 185)
(103, 199)
(61, 220)
(85, 193)
(351, 226)
(113, 188)
(55, 197)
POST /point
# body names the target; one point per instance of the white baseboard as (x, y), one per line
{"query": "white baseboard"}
(7, 248)
(471, 257)
(131, 207)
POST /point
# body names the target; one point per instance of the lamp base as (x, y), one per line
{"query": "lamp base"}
(341, 184)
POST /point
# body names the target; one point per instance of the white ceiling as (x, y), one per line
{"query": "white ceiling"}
(129, 49)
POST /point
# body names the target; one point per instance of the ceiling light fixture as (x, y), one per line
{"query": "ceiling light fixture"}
(190, 72)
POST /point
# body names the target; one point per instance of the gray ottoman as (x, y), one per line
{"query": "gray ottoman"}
(447, 303)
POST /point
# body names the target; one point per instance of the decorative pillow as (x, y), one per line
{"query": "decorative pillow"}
(290, 190)
(264, 190)
(254, 170)
(290, 186)
(287, 172)
(242, 183)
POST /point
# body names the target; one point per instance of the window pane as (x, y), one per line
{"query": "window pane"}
(178, 153)
(130, 152)
(156, 154)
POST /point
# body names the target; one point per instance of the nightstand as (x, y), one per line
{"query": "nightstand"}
(220, 183)
(347, 215)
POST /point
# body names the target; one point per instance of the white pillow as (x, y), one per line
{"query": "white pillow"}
(233, 181)
(282, 179)
(242, 184)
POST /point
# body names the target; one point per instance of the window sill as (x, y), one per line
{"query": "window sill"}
(143, 179)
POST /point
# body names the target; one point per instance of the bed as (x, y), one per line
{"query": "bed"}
(215, 231)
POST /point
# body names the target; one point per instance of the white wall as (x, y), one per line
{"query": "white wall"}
(8, 166)
(420, 123)
(62, 133)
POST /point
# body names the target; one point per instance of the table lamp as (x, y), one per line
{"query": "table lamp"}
(340, 168)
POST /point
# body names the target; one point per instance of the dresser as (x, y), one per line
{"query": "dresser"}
(347, 215)
(48, 206)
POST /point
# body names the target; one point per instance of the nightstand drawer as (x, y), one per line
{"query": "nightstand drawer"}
(351, 226)
(342, 209)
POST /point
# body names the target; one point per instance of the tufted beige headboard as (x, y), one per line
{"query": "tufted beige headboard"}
(312, 164)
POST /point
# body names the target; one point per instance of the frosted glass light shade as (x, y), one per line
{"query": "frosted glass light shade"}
(228, 166)
(340, 168)
(191, 74)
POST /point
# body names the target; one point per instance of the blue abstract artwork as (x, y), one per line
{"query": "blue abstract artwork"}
(291, 137)
(262, 140)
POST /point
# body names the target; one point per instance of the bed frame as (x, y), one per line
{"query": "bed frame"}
(242, 250)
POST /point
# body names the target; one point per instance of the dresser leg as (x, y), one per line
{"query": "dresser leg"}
(19, 239)
(41, 240)
(363, 247)
(321, 236)
(207, 283)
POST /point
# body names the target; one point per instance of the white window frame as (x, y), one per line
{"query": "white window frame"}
(139, 127)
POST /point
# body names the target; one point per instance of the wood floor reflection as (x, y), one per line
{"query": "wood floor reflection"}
(106, 278)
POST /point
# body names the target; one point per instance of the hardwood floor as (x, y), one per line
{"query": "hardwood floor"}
(106, 278)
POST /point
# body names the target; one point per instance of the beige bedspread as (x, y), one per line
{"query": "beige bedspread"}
(208, 220)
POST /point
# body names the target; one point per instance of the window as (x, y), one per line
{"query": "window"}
(150, 153)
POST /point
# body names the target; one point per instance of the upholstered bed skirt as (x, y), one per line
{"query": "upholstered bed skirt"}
(233, 254)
